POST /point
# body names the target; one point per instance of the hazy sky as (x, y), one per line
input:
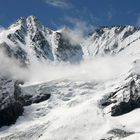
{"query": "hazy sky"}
(56, 13)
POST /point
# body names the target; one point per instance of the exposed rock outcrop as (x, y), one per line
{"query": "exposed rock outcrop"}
(12, 100)
(10, 107)
(126, 97)
(117, 133)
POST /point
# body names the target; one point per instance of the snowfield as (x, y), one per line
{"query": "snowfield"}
(72, 112)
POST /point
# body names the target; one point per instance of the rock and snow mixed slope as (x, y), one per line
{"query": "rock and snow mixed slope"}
(80, 106)
(111, 40)
(28, 40)
(74, 111)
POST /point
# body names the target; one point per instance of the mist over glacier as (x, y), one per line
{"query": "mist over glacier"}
(90, 69)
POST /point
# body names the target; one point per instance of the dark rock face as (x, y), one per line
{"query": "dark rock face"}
(44, 43)
(128, 33)
(121, 108)
(19, 54)
(107, 40)
(41, 98)
(10, 114)
(118, 133)
(133, 102)
(41, 46)
(12, 100)
(10, 108)
(130, 97)
(30, 99)
(67, 51)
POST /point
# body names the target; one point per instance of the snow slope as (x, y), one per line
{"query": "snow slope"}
(111, 40)
(72, 112)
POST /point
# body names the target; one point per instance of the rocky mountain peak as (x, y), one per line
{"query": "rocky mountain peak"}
(33, 23)
(29, 23)
(116, 29)
(19, 22)
(27, 33)
(111, 40)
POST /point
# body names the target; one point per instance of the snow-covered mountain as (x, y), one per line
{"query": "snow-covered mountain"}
(28, 40)
(111, 40)
(90, 103)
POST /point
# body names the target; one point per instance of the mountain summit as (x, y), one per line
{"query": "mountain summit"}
(28, 40)
(33, 41)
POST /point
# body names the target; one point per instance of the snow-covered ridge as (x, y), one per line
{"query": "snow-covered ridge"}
(37, 42)
(28, 40)
(74, 111)
(111, 40)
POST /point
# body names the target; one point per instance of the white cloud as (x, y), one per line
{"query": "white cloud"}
(10, 67)
(81, 25)
(90, 69)
(79, 30)
(1, 28)
(59, 3)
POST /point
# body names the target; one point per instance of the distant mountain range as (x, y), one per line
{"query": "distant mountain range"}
(27, 39)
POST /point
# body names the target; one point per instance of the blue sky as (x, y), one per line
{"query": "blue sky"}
(56, 13)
